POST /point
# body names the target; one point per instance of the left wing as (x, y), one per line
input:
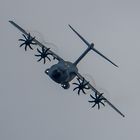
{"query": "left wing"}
(97, 92)
(36, 41)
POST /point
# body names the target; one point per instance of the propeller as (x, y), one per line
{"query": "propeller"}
(97, 100)
(43, 54)
(81, 85)
(27, 41)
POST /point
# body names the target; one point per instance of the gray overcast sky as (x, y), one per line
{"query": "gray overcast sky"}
(33, 107)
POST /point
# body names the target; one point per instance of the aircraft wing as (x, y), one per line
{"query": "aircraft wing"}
(36, 41)
(60, 59)
(96, 91)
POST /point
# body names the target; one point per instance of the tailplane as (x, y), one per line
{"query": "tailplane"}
(90, 47)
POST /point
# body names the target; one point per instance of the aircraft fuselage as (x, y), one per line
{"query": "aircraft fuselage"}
(62, 72)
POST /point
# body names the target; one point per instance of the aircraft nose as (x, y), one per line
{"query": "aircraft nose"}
(56, 74)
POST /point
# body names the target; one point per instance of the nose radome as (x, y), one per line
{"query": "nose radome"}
(56, 74)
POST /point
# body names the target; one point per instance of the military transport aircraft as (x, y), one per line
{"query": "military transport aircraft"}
(64, 71)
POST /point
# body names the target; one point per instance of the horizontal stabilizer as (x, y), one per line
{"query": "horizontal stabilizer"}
(91, 45)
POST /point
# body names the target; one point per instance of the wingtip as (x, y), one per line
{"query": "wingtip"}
(11, 21)
(117, 66)
(69, 25)
(123, 115)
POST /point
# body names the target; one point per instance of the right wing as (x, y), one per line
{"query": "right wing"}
(96, 91)
(36, 41)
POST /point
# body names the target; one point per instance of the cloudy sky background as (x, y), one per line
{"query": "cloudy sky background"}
(33, 107)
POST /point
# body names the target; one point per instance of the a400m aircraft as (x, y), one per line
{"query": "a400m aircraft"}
(64, 71)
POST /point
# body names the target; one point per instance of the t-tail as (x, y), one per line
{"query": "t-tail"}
(90, 47)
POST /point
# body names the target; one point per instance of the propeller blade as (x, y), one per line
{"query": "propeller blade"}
(81, 86)
(43, 54)
(97, 100)
(27, 41)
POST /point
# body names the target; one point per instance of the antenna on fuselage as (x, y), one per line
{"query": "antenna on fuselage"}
(90, 47)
